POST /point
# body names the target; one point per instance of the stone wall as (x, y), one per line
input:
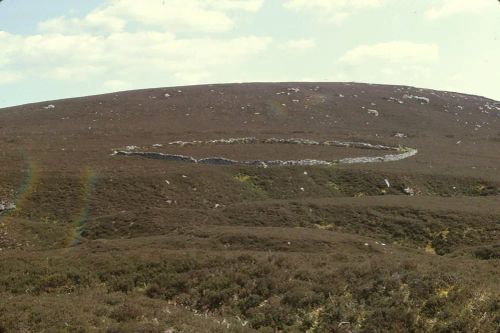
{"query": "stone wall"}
(404, 152)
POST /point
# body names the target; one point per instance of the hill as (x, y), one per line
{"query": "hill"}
(269, 207)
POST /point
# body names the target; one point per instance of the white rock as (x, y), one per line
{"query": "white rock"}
(422, 100)
(7, 206)
(373, 112)
(409, 191)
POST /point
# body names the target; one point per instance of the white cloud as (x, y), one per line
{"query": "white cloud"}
(248, 5)
(163, 15)
(446, 8)
(396, 62)
(7, 49)
(397, 52)
(336, 10)
(299, 44)
(193, 77)
(123, 42)
(9, 76)
(93, 22)
(125, 56)
(81, 72)
(114, 85)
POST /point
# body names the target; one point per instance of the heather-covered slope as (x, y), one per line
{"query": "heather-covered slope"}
(153, 245)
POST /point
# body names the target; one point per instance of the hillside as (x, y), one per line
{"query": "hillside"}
(113, 220)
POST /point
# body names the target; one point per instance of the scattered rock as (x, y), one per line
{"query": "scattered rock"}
(4, 206)
(422, 100)
(395, 100)
(409, 191)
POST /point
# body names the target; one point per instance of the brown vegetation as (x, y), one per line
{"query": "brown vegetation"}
(102, 243)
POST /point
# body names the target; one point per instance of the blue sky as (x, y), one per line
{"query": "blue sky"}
(66, 48)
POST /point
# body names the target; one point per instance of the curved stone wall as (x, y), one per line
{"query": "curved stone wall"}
(400, 153)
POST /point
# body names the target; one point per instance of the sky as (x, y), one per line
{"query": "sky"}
(67, 48)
